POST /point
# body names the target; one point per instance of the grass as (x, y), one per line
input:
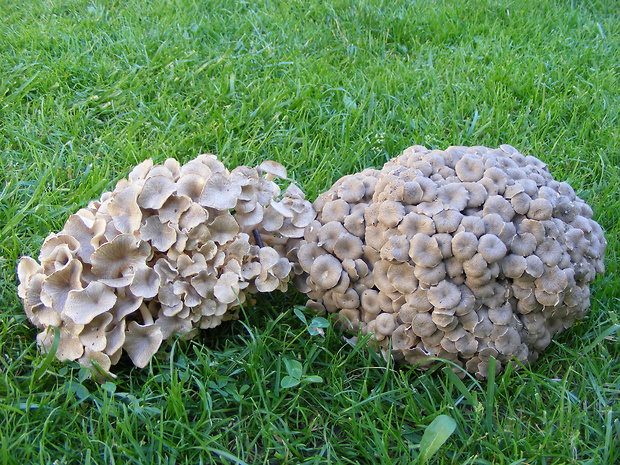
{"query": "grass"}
(88, 89)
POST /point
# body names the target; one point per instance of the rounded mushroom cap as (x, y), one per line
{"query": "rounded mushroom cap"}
(491, 248)
(424, 251)
(444, 295)
(325, 271)
(464, 245)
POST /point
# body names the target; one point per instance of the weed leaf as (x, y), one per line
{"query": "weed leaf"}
(289, 382)
(435, 435)
(294, 368)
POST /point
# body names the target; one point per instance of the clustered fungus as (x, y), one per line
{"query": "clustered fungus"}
(171, 250)
(463, 254)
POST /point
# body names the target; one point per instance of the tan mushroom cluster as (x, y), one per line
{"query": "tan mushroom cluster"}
(461, 254)
(171, 250)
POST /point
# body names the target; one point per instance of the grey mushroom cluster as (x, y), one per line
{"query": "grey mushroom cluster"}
(171, 250)
(463, 254)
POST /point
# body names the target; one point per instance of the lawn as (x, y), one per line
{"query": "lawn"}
(90, 88)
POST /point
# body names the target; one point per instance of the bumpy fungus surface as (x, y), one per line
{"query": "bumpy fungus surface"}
(171, 250)
(461, 254)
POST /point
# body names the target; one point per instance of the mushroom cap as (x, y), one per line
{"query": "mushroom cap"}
(424, 250)
(469, 168)
(118, 255)
(385, 324)
(220, 192)
(444, 295)
(83, 305)
(391, 213)
(464, 245)
(272, 169)
(145, 283)
(491, 248)
(142, 342)
(348, 246)
(325, 271)
(155, 192)
(124, 206)
(161, 235)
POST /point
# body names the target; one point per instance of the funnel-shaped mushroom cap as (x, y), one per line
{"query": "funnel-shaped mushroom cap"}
(69, 345)
(348, 246)
(491, 248)
(329, 234)
(385, 324)
(161, 235)
(496, 204)
(84, 227)
(156, 191)
(454, 196)
(191, 185)
(447, 221)
(56, 288)
(501, 315)
(125, 210)
(444, 295)
(142, 342)
(192, 217)
(508, 342)
(141, 170)
(145, 283)
(220, 192)
(226, 290)
(352, 189)
(57, 249)
(402, 278)
(103, 363)
(83, 305)
(469, 168)
(93, 336)
(173, 208)
(414, 223)
(540, 209)
(422, 325)
(123, 252)
(26, 269)
(403, 338)
(224, 228)
(370, 302)
(391, 213)
(335, 210)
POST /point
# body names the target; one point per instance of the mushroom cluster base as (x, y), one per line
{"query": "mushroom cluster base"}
(462, 254)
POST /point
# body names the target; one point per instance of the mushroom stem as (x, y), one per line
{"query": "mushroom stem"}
(257, 238)
(147, 318)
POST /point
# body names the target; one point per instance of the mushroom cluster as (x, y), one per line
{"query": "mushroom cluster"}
(462, 254)
(171, 250)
